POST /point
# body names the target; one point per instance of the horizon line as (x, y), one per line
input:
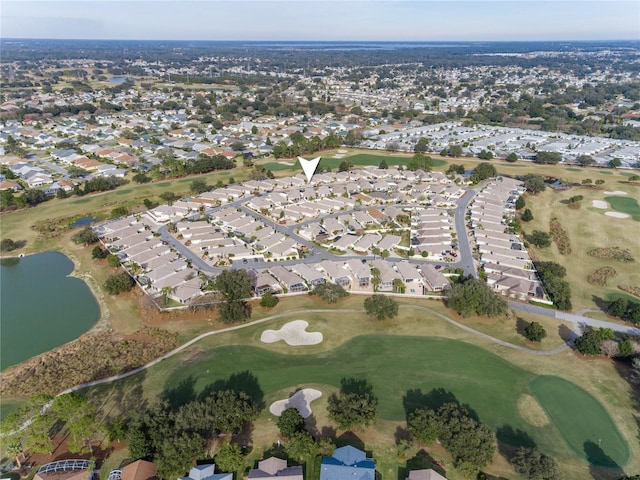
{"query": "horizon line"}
(321, 41)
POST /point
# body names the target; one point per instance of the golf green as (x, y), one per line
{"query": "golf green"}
(584, 423)
(626, 205)
(431, 370)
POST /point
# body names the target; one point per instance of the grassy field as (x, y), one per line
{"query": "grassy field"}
(439, 355)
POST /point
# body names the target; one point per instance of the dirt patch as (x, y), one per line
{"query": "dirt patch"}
(612, 253)
(574, 206)
(531, 411)
(601, 276)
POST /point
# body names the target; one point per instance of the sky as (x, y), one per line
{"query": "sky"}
(338, 20)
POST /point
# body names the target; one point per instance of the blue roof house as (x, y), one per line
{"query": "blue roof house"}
(347, 463)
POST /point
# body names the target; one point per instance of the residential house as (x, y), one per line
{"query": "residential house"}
(276, 468)
(347, 463)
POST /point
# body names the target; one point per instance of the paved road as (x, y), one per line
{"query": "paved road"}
(578, 320)
(464, 249)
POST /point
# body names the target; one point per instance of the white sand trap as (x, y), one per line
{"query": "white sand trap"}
(301, 401)
(286, 163)
(616, 214)
(342, 151)
(600, 204)
(338, 155)
(616, 192)
(293, 333)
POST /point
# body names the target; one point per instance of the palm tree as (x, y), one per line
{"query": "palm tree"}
(165, 291)
(14, 448)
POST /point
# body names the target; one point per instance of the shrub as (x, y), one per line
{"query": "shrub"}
(560, 237)
(329, 292)
(269, 300)
(601, 276)
(7, 245)
(98, 253)
(535, 332)
(539, 238)
(590, 342)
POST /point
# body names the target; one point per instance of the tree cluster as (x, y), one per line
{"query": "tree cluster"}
(469, 296)
(621, 307)
(300, 145)
(470, 442)
(174, 437)
(590, 342)
(535, 465)
(548, 157)
(551, 275)
(534, 183)
(119, 282)
(483, 171)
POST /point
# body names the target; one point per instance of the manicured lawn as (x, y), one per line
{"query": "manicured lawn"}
(9, 405)
(626, 205)
(584, 423)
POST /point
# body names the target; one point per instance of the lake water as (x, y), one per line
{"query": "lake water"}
(118, 79)
(41, 307)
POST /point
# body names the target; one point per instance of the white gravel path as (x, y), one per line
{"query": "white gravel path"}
(301, 401)
(616, 214)
(616, 192)
(293, 333)
(600, 204)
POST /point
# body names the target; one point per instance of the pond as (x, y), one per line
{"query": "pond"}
(83, 222)
(41, 306)
(119, 79)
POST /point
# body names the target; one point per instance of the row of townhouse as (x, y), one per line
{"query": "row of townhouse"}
(504, 258)
(156, 267)
(351, 274)
(431, 231)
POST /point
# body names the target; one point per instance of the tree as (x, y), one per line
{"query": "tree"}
(381, 307)
(485, 155)
(235, 286)
(268, 300)
(534, 183)
(585, 160)
(455, 151)
(199, 186)
(420, 162)
(86, 236)
(470, 443)
(329, 292)
(599, 182)
(383, 165)
(526, 216)
(302, 447)
(424, 425)
(618, 307)
(520, 203)
(483, 171)
(141, 178)
(98, 253)
(535, 465)
(548, 157)
(422, 145)
(539, 238)
(591, 339)
(80, 418)
(177, 454)
(473, 297)
(345, 166)
(512, 157)
(118, 283)
(232, 410)
(615, 163)
(290, 422)
(535, 332)
(229, 457)
(354, 406)
(8, 245)
(168, 197)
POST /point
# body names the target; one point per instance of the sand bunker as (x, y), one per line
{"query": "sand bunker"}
(338, 155)
(286, 163)
(301, 401)
(293, 333)
(616, 192)
(600, 204)
(616, 215)
(342, 151)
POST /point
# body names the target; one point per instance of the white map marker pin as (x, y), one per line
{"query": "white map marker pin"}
(309, 166)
